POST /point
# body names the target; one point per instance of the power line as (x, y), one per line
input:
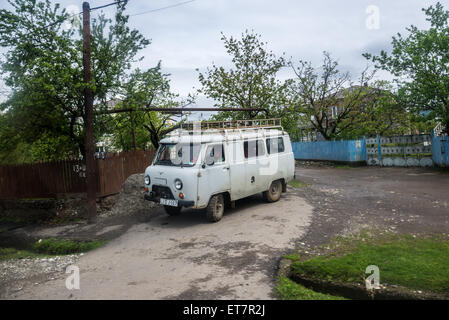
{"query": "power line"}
(117, 2)
(163, 8)
(77, 14)
(107, 5)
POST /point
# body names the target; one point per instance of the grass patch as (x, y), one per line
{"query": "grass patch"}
(48, 248)
(13, 253)
(58, 247)
(416, 263)
(297, 183)
(290, 290)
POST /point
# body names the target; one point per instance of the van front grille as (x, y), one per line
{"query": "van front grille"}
(163, 192)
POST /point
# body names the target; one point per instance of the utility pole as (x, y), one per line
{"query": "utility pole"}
(133, 129)
(91, 177)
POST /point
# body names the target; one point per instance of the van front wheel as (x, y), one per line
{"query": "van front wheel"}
(274, 193)
(215, 208)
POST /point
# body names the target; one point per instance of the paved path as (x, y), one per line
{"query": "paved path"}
(186, 257)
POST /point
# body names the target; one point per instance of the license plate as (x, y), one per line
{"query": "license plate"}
(169, 202)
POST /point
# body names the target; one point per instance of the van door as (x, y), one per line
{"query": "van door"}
(215, 177)
(238, 170)
(255, 159)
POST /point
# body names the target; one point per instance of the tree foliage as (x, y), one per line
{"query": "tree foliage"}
(150, 88)
(43, 67)
(316, 92)
(420, 63)
(251, 82)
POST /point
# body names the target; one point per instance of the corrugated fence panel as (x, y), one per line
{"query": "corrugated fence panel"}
(345, 151)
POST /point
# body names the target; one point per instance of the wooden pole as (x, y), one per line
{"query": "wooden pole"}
(91, 178)
(133, 128)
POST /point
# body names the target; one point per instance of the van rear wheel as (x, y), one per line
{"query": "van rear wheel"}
(215, 208)
(273, 194)
(172, 211)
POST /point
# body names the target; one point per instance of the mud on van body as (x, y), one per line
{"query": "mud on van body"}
(215, 163)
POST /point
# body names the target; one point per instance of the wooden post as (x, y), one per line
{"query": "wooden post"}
(133, 128)
(91, 179)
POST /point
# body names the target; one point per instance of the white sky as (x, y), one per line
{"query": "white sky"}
(188, 36)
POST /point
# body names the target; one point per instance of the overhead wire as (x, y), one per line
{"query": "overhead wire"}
(117, 2)
(162, 8)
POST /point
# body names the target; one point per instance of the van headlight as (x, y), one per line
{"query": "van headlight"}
(178, 184)
(147, 180)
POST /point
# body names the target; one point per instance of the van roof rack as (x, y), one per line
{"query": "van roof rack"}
(274, 123)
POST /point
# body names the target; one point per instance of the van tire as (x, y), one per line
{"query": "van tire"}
(274, 193)
(172, 211)
(215, 208)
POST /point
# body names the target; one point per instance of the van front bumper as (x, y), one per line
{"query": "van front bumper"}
(181, 203)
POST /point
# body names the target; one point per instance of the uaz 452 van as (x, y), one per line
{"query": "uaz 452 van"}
(210, 164)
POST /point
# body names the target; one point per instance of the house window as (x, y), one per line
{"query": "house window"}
(275, 145)
(253, 148)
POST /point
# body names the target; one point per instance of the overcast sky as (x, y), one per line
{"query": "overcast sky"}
(187, 37)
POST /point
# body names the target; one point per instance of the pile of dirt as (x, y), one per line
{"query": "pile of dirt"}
(129, 201)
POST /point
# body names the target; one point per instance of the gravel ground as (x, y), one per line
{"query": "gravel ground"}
(16, 273)
(116, 215)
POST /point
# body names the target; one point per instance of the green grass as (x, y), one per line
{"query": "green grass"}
(290, 290)
(416, 263)
(13, 253)
(55, 246)
(50, 247)
(297, 183)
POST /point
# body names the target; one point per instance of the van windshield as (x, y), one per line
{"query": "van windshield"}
(176, 154)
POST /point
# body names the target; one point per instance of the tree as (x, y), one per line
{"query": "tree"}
(43, 67)
(381, 113)
(420, 63)
(250, 83)
(150, 88)
(314, 94)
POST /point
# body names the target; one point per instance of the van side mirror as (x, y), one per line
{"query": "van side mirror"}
(203, 165)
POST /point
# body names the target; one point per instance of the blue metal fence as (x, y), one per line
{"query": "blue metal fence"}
(355, 150)
(440, 150)
(345, 150)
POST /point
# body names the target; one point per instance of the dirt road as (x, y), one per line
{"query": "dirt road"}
(345, 200)
(186, 257)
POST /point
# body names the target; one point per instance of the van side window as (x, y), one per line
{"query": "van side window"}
(253, 148)
(275, 145)
(215, 154)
